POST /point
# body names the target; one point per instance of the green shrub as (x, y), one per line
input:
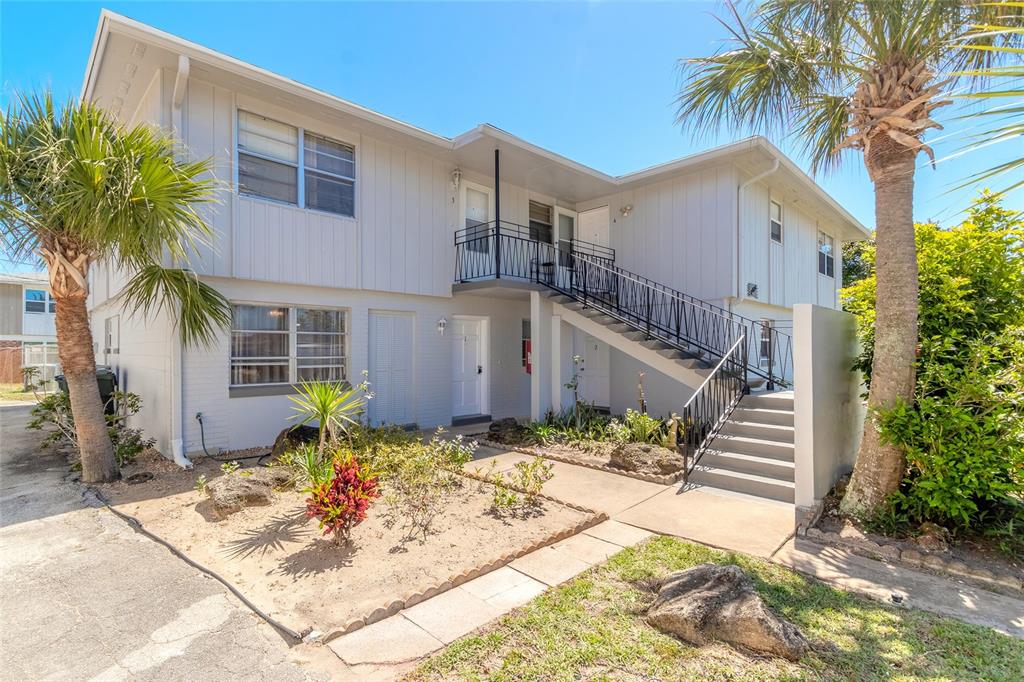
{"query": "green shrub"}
(964, 434)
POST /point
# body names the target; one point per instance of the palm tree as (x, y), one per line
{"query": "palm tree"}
(866, 76)
(77, 187)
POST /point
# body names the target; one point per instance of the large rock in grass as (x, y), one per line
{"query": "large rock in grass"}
(246, 488)
(506, 430)
(646, 458)
(293, 437)
(711, 602)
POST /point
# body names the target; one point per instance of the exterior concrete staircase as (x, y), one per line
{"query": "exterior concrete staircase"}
(753, 453)
(688, 367)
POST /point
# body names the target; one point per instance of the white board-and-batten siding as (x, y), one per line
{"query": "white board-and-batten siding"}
(398, 241)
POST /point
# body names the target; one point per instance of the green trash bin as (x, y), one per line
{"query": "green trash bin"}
(106, 379)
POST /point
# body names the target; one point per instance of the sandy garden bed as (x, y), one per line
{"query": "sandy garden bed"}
(278, 558)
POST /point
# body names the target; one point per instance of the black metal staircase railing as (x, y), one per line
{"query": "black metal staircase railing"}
(712, 403)
(587, 273)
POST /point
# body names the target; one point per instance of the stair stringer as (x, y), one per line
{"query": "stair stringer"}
(689, 377)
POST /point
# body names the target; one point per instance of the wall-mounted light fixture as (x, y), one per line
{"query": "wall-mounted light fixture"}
(626, 210)
(441, 325)
(456, 179)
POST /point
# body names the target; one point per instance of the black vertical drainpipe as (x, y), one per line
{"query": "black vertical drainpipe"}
(497, 218)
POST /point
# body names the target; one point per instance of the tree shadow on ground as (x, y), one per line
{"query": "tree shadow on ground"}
(271, 536)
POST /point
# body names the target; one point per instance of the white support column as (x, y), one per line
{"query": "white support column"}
(540, 336)
(556, 363)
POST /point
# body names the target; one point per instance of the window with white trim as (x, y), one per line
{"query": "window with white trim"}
(826, 255)
(775, 221)
(276, 345)
(39, 301)
(270, 166)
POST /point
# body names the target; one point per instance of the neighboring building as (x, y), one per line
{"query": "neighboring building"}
(350, 241)
(28, 335)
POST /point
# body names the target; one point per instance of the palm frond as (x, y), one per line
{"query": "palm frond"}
(198, 310)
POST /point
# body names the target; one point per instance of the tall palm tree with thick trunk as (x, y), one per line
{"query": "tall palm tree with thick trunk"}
(866, 76)
(78, 187)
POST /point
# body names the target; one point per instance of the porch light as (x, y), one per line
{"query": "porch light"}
(626, 210)
(441, 325)
(456, 179)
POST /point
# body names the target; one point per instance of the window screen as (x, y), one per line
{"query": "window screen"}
(267, 158)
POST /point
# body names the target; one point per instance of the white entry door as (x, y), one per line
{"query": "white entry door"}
(477, 259)
(469, 367)
(594, 370)
(391, 368)
(594, 226)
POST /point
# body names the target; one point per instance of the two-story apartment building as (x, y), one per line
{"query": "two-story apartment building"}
(28, 336)
(463, 274)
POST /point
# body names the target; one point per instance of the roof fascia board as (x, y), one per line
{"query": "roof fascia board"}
(99, 42)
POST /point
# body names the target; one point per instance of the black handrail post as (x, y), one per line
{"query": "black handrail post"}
(771, 359)
(497, 217)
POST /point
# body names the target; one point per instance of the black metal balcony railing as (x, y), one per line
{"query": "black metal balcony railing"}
(587, 273)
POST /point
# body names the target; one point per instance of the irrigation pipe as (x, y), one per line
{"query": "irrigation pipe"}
(139, 528)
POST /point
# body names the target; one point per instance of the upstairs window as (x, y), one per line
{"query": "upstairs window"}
(330, 175)
(775, 221)
(270, 166)
(540, 222)
(826, 255)
(39, 301)
(268, 158)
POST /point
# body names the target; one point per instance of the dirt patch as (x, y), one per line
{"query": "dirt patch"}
(651, 466)
(279, 559)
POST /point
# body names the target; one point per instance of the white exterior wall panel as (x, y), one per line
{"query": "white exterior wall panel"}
(241, 422)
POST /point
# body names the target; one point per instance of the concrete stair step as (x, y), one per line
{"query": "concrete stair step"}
(760, 415)
(778, 400)
(750, 484)
(754, 446)
(749, 464)
(774, 432)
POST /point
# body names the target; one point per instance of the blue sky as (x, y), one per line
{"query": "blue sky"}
(593, 81)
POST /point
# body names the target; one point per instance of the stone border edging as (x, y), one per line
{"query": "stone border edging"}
(666, 479)
(911, 558)
(593, 518)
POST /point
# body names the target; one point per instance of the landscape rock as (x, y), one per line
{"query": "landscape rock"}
(711, 602)
(506, 430)
(253, 487)
(293, 437)
(646, 458)
(933, 538)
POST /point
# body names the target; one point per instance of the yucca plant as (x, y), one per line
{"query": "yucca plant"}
(77, 187)
(867, 76)
(335, 407)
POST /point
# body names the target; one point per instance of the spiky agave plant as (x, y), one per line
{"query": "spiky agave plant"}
(334, 405)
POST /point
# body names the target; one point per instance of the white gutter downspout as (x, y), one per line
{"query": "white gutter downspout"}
(739, 218)
(177, 375)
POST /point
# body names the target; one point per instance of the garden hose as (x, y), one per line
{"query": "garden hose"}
(202, 437)
(139, 528)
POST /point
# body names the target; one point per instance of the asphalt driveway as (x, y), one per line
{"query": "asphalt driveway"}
(83, 596)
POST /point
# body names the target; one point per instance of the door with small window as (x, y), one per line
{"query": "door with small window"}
(476, 235)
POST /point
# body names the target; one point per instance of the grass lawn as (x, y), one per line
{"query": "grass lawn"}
(16, 392)
(592, 628)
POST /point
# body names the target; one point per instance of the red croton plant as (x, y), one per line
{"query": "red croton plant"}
(341, 503)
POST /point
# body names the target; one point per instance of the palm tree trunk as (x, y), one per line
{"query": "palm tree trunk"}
(880, 466)
(75, 347)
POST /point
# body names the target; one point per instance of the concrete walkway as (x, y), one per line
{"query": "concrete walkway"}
(82, 596)
(879, 580)
(390, 647)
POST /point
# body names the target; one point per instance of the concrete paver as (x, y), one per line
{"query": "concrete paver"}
(392, 640)
(549, 566)
(618, 533)
(716, 518)
(495, 582)
(517, 596)
(879, 580)
(586, 548)
(451, 614)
